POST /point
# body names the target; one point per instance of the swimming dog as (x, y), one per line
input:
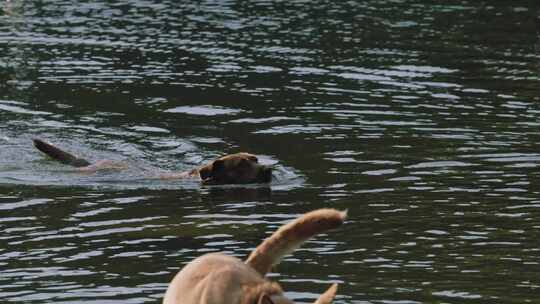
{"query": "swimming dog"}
(238, 168)
(216, 278)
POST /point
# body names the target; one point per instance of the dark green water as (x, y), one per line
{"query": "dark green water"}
(420, 117)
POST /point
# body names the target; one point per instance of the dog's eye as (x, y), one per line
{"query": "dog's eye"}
(253, 158)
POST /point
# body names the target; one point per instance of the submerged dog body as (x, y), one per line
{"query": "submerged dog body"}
(216, 278)
(238, 168)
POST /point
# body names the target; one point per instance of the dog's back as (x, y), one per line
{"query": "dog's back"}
(217, 279)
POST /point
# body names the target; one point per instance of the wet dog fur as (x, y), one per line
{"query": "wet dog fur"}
(238, 168)
(217, 278)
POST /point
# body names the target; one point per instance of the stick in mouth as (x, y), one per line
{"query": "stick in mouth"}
(60, 155)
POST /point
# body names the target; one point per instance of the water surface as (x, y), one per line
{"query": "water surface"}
(419, 117)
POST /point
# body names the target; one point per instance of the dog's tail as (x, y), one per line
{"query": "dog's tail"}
(60, 155)
(291, 236)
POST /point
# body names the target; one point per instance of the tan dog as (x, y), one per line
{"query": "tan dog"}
(239, 168)
(216, 278)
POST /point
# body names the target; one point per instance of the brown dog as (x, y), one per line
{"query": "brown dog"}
(239, 168)
(220, 279)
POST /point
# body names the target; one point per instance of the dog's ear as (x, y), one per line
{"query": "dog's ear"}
(265, 299)
(218, 166)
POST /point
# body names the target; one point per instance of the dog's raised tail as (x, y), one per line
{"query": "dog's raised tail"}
(60, 155)
(291, 236)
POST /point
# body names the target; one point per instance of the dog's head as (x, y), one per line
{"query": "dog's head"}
(239, 168)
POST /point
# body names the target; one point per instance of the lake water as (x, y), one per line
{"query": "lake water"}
(422, 118)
